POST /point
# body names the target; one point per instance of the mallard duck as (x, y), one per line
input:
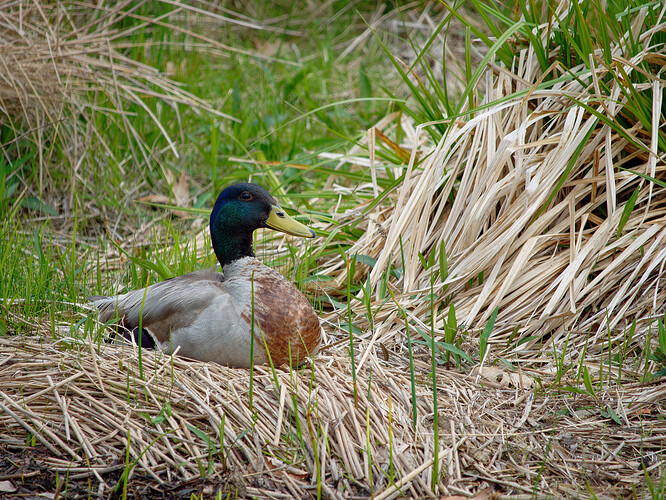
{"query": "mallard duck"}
(207, 314)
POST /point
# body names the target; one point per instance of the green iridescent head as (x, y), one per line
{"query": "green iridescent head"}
(239, 210)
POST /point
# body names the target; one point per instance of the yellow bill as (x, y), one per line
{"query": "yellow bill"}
(278, 220)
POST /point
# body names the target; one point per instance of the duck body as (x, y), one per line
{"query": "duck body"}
(208, 315)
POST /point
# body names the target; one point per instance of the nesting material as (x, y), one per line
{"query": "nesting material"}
(80, 406)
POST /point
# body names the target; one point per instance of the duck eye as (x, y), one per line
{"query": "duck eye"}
(245, 196)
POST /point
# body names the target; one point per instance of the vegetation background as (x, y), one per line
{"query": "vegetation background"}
(487, 185)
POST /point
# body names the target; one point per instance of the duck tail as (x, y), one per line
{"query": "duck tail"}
(135, 335)
(139, 337)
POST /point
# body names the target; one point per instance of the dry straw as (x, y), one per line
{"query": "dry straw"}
(82, 405)
(535, 229)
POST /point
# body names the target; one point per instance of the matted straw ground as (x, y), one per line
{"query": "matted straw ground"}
(83, 405)
(564, 282)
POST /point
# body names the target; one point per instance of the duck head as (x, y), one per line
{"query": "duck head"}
(239, 210)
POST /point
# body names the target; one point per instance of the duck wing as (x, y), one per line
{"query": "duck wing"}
(169, 305)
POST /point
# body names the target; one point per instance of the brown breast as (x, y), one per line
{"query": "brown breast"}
(286, 319)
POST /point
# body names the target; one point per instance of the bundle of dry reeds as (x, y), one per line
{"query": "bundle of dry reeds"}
(530, 201)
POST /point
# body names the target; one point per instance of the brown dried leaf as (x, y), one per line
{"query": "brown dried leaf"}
(155, 198)
(181, 190)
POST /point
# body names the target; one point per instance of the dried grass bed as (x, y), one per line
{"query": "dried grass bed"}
(77, 402)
